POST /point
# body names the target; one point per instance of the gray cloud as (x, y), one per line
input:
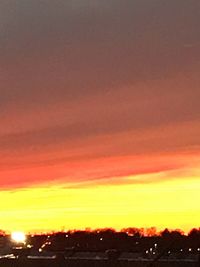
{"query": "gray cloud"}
(73, 71)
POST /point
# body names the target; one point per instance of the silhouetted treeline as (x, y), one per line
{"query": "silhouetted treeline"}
(129, 240)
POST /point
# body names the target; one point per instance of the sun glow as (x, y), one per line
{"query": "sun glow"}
(18, 237)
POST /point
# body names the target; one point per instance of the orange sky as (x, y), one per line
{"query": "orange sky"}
(100, 114)
(163, 191)
(133, 202)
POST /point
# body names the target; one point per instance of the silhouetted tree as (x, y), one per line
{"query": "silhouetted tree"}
(194, 233)
(133, 231)
(165, 233)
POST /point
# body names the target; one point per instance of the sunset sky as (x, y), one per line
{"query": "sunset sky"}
(99, 114)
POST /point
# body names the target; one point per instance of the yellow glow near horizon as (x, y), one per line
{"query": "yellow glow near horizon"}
(173, 204)
(18, 237)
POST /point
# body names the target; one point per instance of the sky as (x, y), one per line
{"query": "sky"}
(99, 114)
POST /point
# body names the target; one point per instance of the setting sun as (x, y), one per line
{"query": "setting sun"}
(18, 237)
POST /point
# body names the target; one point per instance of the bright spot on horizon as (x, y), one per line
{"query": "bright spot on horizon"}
(18, 237)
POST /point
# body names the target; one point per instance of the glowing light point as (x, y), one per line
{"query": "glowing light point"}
(18, 237)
